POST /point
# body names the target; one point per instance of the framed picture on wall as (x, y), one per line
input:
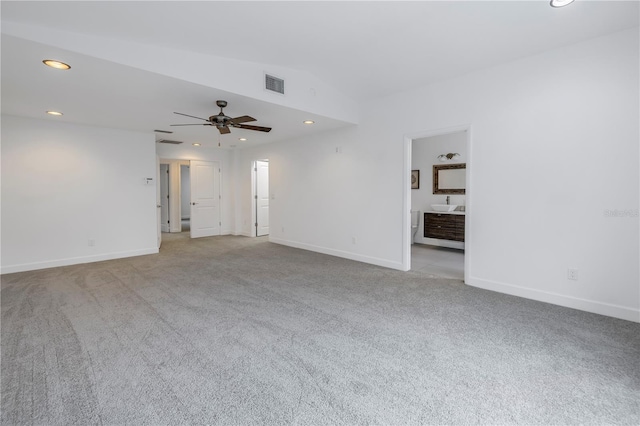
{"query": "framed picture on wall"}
(415, 179)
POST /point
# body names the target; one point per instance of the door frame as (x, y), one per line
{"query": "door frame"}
(158, 203)
(406, 207)
(175, 182)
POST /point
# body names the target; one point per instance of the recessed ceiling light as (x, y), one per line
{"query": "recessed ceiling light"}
(308, 122)
(56, 64)
(560, 3)
(242, 139)
(54, 113)
(195, 144)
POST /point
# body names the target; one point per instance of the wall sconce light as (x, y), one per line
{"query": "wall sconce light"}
(560, 3)
(448, 157)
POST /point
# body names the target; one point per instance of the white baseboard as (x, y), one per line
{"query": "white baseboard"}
(339, 253)
(607, 309)
(74, 261)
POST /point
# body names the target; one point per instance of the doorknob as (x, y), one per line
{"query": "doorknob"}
(158, 205)
(193, 204)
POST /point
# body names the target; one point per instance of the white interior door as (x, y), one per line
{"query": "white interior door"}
(205, 198)
(262, 198)
(158, 202)
(164, 197)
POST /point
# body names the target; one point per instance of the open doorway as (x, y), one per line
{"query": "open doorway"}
(185, 198)
(260, 197)
(438, 205)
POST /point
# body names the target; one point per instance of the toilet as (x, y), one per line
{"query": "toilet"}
(415, 223)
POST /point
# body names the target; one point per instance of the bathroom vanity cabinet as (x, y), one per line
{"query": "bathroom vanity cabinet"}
(445, 226)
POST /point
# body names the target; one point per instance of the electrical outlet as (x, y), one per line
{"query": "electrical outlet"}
(91, 243)
(572, 274)
(353, 240)
(283, 229)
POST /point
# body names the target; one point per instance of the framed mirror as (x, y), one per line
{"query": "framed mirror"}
(449, 178)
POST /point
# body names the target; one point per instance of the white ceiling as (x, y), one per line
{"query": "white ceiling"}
(102, 93)
(364, 49)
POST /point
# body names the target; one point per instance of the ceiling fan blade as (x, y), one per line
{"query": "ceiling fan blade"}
(243, 119)
(197, 124)
(224, 130)
(250, 127)
(192, 116)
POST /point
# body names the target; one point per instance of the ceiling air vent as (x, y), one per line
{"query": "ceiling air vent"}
(274, 84)
(169, 142)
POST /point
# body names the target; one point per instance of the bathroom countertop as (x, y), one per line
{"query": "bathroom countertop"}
(453, 212)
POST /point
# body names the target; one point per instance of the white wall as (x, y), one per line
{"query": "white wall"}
(424, 154)
(554, 143)
(65, 184)
(312, 205)
(207, 153)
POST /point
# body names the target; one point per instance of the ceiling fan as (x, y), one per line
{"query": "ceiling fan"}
(222, 121)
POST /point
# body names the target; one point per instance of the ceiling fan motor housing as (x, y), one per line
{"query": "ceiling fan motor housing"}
(220, 120)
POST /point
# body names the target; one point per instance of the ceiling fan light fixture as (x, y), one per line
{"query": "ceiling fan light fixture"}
(56, 113)
(308, 122)
(56, 64)
(196, 144)
(449, 157)
(560, 3)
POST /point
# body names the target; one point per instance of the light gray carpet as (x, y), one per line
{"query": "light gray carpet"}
(239, 331)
